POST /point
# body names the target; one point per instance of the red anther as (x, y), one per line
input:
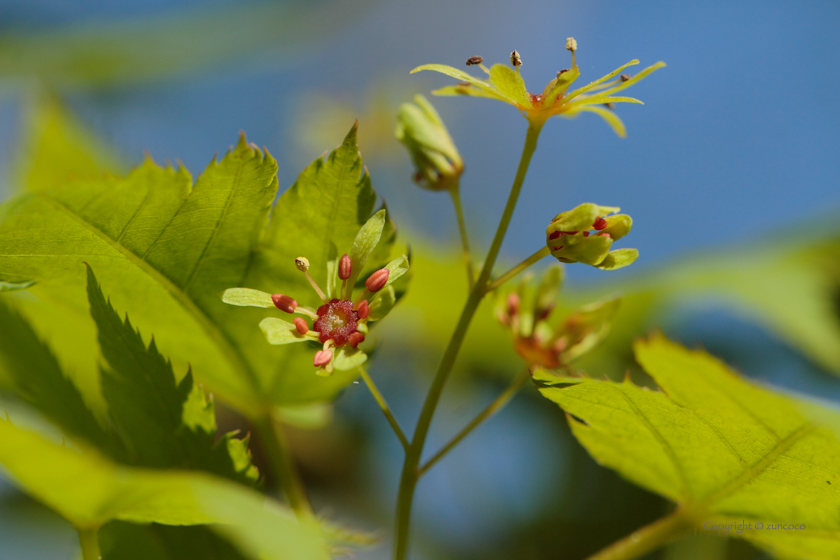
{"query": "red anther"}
(377, 280)
(557, 248)
(555, 235)
(301, 325)
(284, 303)
(344, 267)
(513, 302)
(545, 312)
(605, 234)
(600, 223)
(363, 309)
(586, 234)
(355, 339)
(322, 358)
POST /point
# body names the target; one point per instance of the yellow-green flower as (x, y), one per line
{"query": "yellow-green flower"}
(506, 84)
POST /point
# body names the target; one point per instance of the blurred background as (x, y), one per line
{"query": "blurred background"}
(730, 171)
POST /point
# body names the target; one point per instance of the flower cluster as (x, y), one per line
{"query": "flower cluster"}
(586, 233)
(506, 84)
(526, 312)
(341, 323)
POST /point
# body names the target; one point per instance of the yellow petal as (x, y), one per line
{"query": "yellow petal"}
(611, 118)
(600, 80)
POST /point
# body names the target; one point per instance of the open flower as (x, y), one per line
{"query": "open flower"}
(586, 233)
(506, 84)
(341, 323)
(526, 313)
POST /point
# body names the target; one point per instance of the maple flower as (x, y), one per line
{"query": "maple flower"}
(586, 233)
(505, 83)
(526, 312)
(340, 324)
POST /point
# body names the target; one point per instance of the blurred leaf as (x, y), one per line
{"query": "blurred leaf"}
(723, 449)
(128, 541)
(98, 54)
(163, 423)
(88, 490)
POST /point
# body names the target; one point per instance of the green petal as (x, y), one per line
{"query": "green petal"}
(600, 80)
(558, 85)
(618, 226)
(508, 82)
(246, 297)
(457, 74)
(641, 75)
(398, 267)
(577, 219)
(590, 250)
(612, 119)
(383, 304)
(366, 240)
(619, 258)
(278, 331)
(348, 358)
(467, 90)
(601, 99)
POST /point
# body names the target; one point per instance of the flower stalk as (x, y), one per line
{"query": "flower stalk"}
(89, 541)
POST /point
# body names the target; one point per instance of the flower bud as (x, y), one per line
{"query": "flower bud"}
(377, 280)
(300, 325)
(421, 130)
(302, 264)
(322, 358)
(344, 267)
(355, 339)
(364, 309)
(284, 303)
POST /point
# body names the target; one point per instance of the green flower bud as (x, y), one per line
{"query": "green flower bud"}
(421, 130)
(586, 233)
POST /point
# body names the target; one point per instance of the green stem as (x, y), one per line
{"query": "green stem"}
(380, 400)
(498, 404)
(410, 472)
(462, 228)
(89, 539)
(518, 268)
(647, 538)
(281, 461)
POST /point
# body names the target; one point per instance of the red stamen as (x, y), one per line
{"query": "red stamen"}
(363, 309)
(284, 303)
(300, 325)
(377, 280)
(322, 358)
(600, 224)
(344, 267)
(355, 339)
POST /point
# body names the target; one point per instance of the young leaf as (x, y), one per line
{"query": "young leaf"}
(164, 424)
(88, 490)
(722, 448)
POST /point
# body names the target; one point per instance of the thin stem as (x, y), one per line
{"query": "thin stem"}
(495, 406)
(89, 539)
(518, 268)
(384, 406)
(462, 228)
(408, 480)
(647, 538)
(281, 461)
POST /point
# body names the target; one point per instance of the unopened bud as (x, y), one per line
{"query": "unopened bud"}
(302, 264)
(300, 325)
(284, 303)
(322, 358)
(513, 302)
(377, 280)
(571, 44)
(364, 309)
(344, 267)
(600, 223)
(515, 59)
(436, 159)
(474, 60)
(355, 339)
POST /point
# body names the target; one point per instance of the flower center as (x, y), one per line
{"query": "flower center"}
(337, 320)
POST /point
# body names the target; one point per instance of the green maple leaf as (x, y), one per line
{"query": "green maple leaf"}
(166, 249)
(725, 450)
(163, 424)
(89, 490)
